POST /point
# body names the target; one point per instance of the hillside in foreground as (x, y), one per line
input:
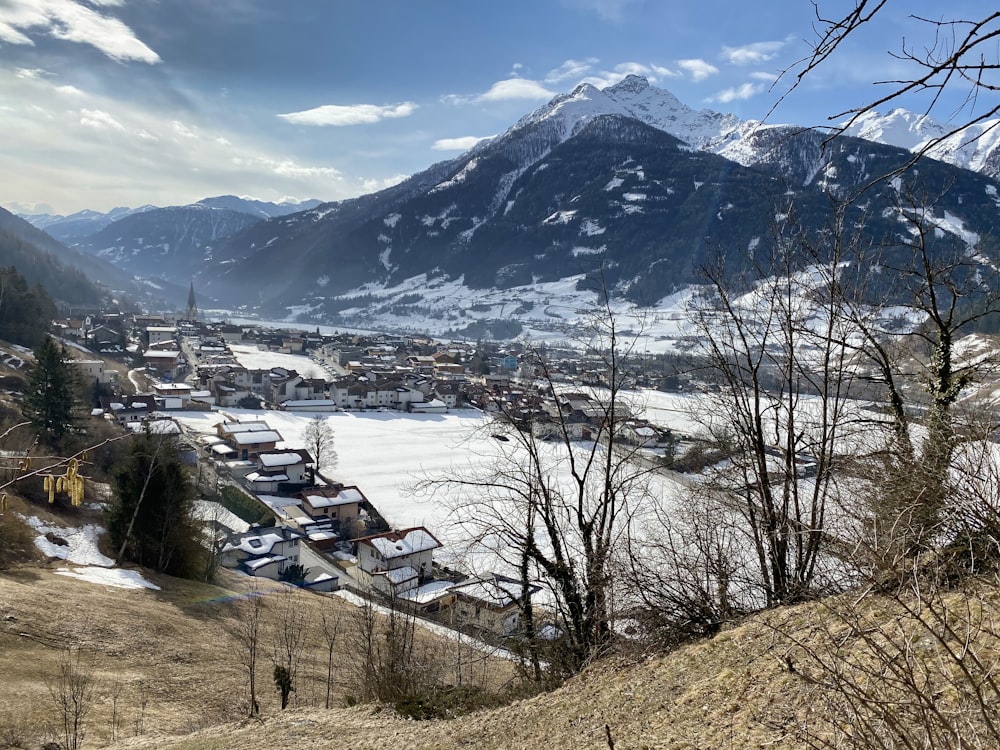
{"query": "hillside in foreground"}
(171, 655)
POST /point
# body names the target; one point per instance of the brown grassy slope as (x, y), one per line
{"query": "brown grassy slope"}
(734, 691)
(171, 653)
(755, 686)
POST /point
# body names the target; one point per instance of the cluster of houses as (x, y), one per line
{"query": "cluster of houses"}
(329, 535)
(332, 537)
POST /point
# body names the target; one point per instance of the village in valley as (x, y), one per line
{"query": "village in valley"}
(279, 508)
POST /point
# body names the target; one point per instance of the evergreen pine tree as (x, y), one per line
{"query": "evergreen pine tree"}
(50, 401)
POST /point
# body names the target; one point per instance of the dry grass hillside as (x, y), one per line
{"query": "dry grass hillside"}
(764, 684)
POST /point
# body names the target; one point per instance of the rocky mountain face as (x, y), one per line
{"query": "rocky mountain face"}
(626, 183)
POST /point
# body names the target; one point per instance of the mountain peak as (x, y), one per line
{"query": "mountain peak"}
(631, 84)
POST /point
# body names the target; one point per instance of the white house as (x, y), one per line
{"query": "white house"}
(264, 552)
(294, 464)
(396, 561)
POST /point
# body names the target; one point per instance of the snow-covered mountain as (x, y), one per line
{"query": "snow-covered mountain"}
(626, 182)
(975, 147)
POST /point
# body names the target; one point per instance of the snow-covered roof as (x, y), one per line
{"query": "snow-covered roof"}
(260, 542)
(256, 438)
(342, 497)
(491, 591)
(270, 459)
(259, 562)
(161, 354)
(393, 544)
(401, 575)
(222, 449)
(266, 476)
(428, 592)
(231, 428)
(322, 535)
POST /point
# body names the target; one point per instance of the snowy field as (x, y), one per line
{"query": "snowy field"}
(385, 453)
(253, 358)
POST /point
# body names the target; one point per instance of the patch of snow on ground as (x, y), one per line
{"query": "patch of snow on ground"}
(122, 579)
(82, 543)
(81, 549)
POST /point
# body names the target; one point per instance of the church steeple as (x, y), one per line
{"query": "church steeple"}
(192, 308)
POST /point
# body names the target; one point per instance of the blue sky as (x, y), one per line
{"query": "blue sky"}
(106, 103)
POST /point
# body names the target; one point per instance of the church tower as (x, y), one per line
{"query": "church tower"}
(192, 309)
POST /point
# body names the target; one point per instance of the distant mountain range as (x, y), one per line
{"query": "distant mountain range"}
(71, 277)
(624, 181)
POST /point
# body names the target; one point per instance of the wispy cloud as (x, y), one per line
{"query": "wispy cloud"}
(571, 70)
(458, 144)
(753, 54)
(609, 10)
(73, 22)
(112, 146)
(337, 115)
(697, 68)
(374, 185)
(738, 93)
(566, 76)
(100, 120)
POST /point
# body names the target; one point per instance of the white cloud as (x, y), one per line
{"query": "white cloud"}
(374, 185)
(745, 91)
(100, 120)
(458, 144)
(653, 73)
(571, 70)
(338, 115)
(31, 73)
(73, 22)
(113, 146)
(516, 88)
(698, 69)
(752, 54)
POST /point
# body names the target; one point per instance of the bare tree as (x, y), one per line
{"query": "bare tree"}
(248, 630)
(780, 397)
(289, 642)
(933, 293)
(390, 666)
(72, 691)
(330, 627)
(318, 437)
(956, 53)
(554, 503)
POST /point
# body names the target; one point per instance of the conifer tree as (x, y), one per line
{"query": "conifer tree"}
(50, 401)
